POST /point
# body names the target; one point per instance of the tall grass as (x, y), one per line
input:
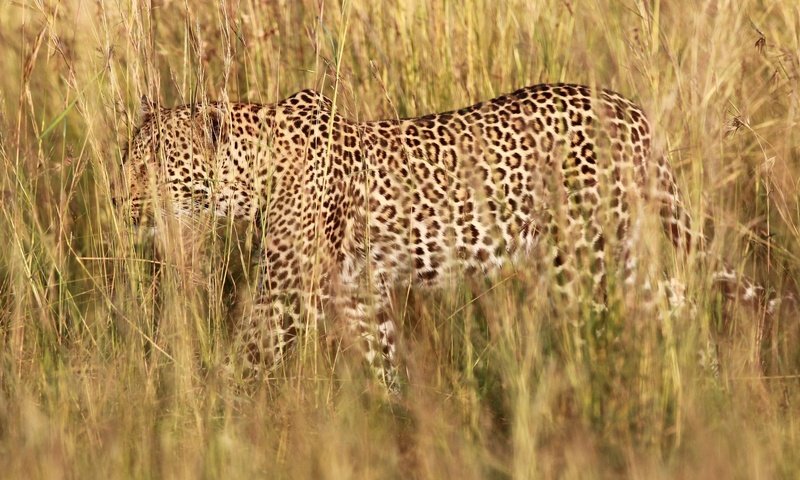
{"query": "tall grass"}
(111, 346)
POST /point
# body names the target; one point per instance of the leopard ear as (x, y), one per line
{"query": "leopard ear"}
(146, 108)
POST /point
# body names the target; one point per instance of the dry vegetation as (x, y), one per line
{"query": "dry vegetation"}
(111, 348)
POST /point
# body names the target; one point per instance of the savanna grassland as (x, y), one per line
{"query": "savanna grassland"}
(112, 347)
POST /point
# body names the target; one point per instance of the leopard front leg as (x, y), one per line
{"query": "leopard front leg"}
(373, 331)
(267, 333)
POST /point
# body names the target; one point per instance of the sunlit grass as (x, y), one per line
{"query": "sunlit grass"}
(113, 346)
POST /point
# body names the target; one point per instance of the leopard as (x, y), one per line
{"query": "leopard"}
(348, 210)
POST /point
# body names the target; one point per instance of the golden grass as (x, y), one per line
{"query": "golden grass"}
(111, 347)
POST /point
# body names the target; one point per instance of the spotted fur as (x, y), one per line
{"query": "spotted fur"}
(347, 210)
